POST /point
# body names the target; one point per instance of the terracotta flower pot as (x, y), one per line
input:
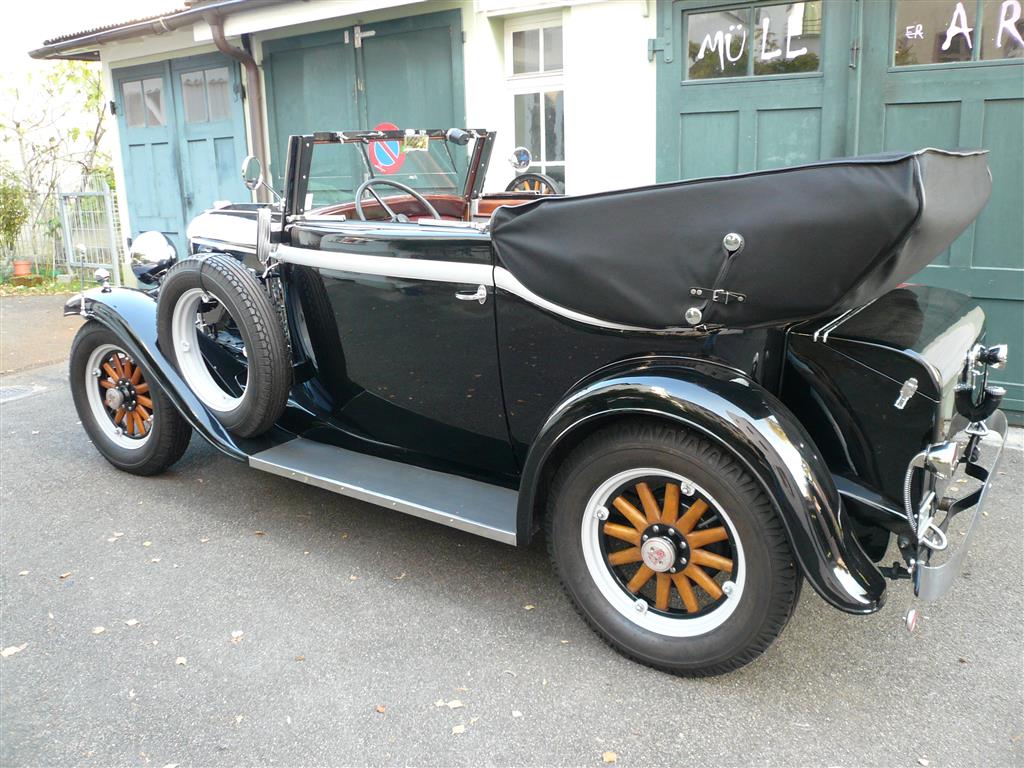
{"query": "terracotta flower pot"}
(22, 267)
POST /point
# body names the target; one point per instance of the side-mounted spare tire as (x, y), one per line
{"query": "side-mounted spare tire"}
(193, 291)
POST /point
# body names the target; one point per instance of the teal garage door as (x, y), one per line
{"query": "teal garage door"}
(182, 140)
(748, 86)
(407, 72)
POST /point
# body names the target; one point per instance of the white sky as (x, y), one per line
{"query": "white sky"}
(26, 25)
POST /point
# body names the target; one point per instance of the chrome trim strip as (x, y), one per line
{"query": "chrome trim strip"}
(388, 266)
(222, 245)
(830, 326)
(508, 282)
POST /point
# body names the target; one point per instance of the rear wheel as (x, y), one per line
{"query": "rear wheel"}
(133, 424)
(670, 550)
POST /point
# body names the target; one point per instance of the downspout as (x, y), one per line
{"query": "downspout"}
(252, 90)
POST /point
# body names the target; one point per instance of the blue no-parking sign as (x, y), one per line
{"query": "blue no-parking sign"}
(386, 156)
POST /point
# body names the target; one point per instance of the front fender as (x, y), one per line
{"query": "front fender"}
(131, 314)
(760, 432)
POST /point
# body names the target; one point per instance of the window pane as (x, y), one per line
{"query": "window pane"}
(934, 31)
(554, 126)
(787, 38)
(552, 48)
(218, 90)
(193, 96)
(718, 43)
(131, 95)
(1003, 24)
(153, 91)
(527, 107)
(526, 51)
(557, 172)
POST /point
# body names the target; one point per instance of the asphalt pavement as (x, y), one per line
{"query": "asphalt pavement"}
(216, 615)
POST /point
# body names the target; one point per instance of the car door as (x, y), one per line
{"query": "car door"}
(401, 324)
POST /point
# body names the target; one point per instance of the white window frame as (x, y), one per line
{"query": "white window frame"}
(539, 82)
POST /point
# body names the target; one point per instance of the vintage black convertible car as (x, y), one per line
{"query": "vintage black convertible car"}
(704, 392)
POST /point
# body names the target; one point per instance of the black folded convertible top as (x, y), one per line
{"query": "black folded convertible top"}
(817, 239)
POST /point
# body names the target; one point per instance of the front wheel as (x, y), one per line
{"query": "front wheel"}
(132, 423)
(670, 549)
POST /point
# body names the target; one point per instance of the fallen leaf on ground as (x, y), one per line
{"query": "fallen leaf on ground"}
(261, 533)
(203, 541)
(353, 577)
(380, 709)
(564, 642)
(65, 575)
(400, 576)
(473, 720)
(609, 757)
(155, 560)
(962, 660)
(455, 704)
(516, 713)
(344, 535)
(98, 630)
(23, 573)
(922, 761)
(236, 636)
(13, 649)
(118, 534)
(439, 703)
(306, 552)
(131, 693)
(300, 658)
(239, 718)
(508, 672)
(460, 728)
(181, 661)
(132, 622)
(529, 607)
(147, 543)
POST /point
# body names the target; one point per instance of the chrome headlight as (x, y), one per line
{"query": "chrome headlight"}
(152, 253)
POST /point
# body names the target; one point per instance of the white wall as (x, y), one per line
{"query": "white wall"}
(609, 87)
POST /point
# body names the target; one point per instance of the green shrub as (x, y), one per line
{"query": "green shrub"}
(13, 208)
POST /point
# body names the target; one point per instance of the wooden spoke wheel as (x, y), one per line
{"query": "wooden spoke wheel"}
(664, 542)
(664, 552)
(538, 183)
(119, 395)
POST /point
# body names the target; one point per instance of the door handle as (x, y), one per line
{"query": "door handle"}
(479, 295)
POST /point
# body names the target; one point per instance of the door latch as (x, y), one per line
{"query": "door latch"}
(479, 295)
(907, 391)
(359, 33)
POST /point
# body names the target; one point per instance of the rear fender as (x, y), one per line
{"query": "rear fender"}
(755, 427)
(131, 314)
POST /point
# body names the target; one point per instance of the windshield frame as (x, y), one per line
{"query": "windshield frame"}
(300, 155)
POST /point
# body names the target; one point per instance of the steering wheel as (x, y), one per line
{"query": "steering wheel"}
(533, 182)
(369, 185)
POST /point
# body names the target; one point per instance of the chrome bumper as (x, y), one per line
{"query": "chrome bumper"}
(933, 581)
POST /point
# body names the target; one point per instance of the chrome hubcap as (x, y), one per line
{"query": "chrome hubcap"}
(659, 554)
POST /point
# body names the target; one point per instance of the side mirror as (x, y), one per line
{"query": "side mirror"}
(520, 159)
(252, 172)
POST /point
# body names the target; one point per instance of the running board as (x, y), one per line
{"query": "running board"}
(469, 505)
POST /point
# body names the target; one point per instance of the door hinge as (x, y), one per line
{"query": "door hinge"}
(359, 34)
(663, 44)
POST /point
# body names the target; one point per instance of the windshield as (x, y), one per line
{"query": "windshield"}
(430, 166)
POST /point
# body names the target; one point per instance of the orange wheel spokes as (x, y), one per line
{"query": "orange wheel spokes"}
(107, 384)
(670, 511)
(651, 508)
(711, 560)
(685, 590)
(625, 556)
(641, 577)
(663, 591)
(110, 372)
(623, 532)
(689, 519)
(136, 375)
(631, 513)
(143, 400)
(142, 388)
(699, 539)
(700, 577)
